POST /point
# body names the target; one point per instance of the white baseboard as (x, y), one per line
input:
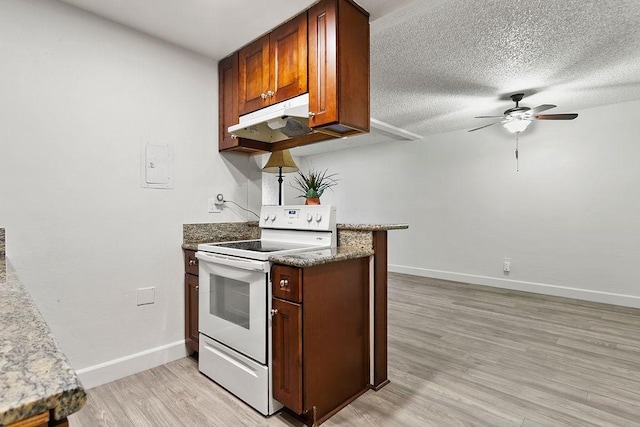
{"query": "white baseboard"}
(518, 285)
(93, 376)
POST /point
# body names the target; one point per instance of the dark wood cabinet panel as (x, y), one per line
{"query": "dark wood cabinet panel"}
(322, 67)
(324, 52)
(228, 109)
(274, 67)
(228, 101)
(338, 67)
(334, 332)
(287, 354)
(380, 304)
(254, 63)
(190, 262)
(191, 290)
(286, 283)
(191, 315)
(288, 54)
(336, 321)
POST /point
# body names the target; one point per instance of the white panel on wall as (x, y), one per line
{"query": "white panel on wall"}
(156, 166)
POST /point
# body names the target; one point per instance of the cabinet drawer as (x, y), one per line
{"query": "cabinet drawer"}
(190, 262)
(286, 283)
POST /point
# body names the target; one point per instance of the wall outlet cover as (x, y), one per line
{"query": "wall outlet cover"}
(146, 296)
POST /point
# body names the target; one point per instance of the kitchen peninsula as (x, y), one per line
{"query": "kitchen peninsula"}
(329, 275)
(38, 387)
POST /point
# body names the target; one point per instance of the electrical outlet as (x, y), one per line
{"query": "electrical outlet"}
(212, 205)
(506, 265)
(146, 296)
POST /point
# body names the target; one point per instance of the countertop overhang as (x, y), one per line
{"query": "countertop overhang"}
(35, 375)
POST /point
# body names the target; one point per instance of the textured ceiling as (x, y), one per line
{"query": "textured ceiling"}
(446, 62)
(435, 64)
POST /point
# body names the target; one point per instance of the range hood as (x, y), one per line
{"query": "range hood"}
(284, 120)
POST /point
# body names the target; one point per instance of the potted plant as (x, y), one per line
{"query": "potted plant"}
(313, 184)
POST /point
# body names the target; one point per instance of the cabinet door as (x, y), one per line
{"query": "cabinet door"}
(254, 75)
(228, 100)
(322, 64)
(288, 54)
(287, 354)
(191, 313)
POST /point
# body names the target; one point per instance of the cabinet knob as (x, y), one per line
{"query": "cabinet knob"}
(312, 115)
(274, 311)
(284, 283)
(197, 287)
(263, 95)
(234, 136)
(193, 261)
(271, 93)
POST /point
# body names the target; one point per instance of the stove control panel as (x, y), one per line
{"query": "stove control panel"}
(299, 217)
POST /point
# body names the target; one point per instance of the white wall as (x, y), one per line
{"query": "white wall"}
(79, 95)
(568, 219)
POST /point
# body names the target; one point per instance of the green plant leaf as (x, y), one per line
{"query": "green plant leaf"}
(314, 183)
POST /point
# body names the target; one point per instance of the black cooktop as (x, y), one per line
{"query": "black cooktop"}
(257, 246)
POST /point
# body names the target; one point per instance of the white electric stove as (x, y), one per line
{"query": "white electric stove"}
(235, 298)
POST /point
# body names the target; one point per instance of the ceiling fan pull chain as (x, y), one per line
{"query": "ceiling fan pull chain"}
(517, 161)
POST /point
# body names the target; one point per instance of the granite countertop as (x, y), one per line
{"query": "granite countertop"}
(353, 242)
(322, 256)
(192, 234)
(308, 259)
(35, 375)
(372, 227)
(190, 246)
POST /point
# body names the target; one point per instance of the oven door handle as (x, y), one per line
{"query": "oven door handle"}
(245, 264)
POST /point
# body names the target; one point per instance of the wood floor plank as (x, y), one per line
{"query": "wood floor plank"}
(459, 355)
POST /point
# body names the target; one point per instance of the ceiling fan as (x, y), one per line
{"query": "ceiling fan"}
(516, 119)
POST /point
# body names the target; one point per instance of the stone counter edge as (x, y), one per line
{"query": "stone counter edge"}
(34, 381)
(313, 258)
(372, 227)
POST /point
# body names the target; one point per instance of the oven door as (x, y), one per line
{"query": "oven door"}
(232, 306)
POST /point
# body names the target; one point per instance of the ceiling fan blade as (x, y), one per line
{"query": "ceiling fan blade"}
(485, 126)
(540, 109)
(488, 117)
(555, 116)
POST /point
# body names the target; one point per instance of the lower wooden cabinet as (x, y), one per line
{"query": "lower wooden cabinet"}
(191, 287)
(43, 419)
(321, 345)
(287, 354)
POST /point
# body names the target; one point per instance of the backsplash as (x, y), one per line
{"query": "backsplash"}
(220, 232)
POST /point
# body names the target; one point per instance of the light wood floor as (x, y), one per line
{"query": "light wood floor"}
(458, 355)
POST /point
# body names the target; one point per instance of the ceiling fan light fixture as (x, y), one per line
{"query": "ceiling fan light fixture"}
(516, 125)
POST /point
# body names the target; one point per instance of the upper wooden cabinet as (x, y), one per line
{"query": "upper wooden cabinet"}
(338, 66)
(323, 51)
(228, 109)
(274, 67)
(228, 99)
